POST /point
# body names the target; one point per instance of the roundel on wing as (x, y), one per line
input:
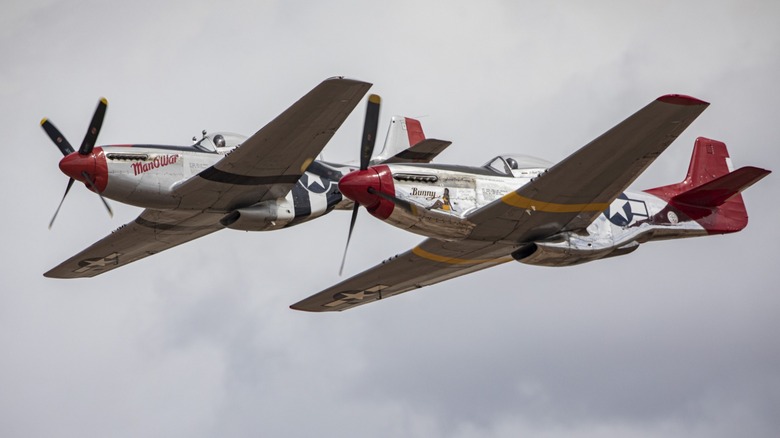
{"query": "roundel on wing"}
(619, 212)
(314, 183)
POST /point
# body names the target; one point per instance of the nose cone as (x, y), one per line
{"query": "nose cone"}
(355, 186)
(93, 164)
(75, 164)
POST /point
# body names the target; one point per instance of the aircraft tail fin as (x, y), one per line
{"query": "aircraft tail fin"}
(403, 133)
(710, 192)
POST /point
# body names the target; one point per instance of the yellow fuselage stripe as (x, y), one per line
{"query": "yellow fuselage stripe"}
(518, 201)
(453, 261)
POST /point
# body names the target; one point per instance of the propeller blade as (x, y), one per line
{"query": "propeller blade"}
(369, 130)
(94, 127)
(349, 236)
(56, 136)
(95, 189)
(67, 189)
(366, 150)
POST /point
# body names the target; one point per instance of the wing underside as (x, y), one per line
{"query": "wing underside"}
(430, 262)
(152, 232)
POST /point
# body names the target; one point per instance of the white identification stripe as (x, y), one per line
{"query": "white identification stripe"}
(319, 203)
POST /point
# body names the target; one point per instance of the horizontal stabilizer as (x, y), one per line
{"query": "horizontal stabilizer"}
(719, 190)
(423, 152)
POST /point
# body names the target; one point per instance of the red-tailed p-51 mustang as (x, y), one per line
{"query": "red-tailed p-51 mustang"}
(265, 182)
(527, 210)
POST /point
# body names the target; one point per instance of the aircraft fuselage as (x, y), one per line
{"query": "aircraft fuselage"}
(147, 175)
(443, 197)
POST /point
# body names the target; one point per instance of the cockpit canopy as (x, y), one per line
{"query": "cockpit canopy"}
(517, 165)
(219, 142)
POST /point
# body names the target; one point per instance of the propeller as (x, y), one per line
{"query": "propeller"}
(95, 189)
(85, 150)
(366, 150)
(67, 189)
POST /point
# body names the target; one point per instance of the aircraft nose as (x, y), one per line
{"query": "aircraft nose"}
(355, 186)
(75, 165)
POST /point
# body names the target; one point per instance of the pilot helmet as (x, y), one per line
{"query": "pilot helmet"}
(512, 163)
(219, 141)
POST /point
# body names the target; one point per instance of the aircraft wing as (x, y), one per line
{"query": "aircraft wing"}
(269, 163)
(569, 196)
(428, 263)
(152, 232)
(572, 193)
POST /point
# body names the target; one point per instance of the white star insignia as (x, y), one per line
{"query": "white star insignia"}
(355, 296)
(315, 178)
(617, 208)
(98, 263)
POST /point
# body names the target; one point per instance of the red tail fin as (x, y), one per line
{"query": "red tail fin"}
(710, 192)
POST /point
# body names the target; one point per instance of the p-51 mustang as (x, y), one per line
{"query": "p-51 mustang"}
(265, 182)
(526, 210)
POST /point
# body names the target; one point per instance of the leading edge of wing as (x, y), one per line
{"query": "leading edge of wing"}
(572, 193)
(269, 163)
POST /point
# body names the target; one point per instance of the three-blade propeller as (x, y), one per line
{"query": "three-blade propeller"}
(366, 151)
(87, 145)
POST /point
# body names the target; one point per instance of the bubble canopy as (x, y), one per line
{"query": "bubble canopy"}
(219, 141)
(507, 164)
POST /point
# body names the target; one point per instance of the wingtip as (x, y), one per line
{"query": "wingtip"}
(681, 99)
(346, 79)
(298, 307)
(760, 172)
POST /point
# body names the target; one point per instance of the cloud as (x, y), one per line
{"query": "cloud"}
(674, 340)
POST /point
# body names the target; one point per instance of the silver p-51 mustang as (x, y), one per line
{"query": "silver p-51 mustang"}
(265, 182)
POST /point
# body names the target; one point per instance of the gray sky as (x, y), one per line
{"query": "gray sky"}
(678, 339)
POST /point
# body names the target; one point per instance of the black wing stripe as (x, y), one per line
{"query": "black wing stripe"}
(172, 227)
(216, 175)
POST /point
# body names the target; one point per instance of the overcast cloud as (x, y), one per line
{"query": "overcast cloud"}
(678, 339)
